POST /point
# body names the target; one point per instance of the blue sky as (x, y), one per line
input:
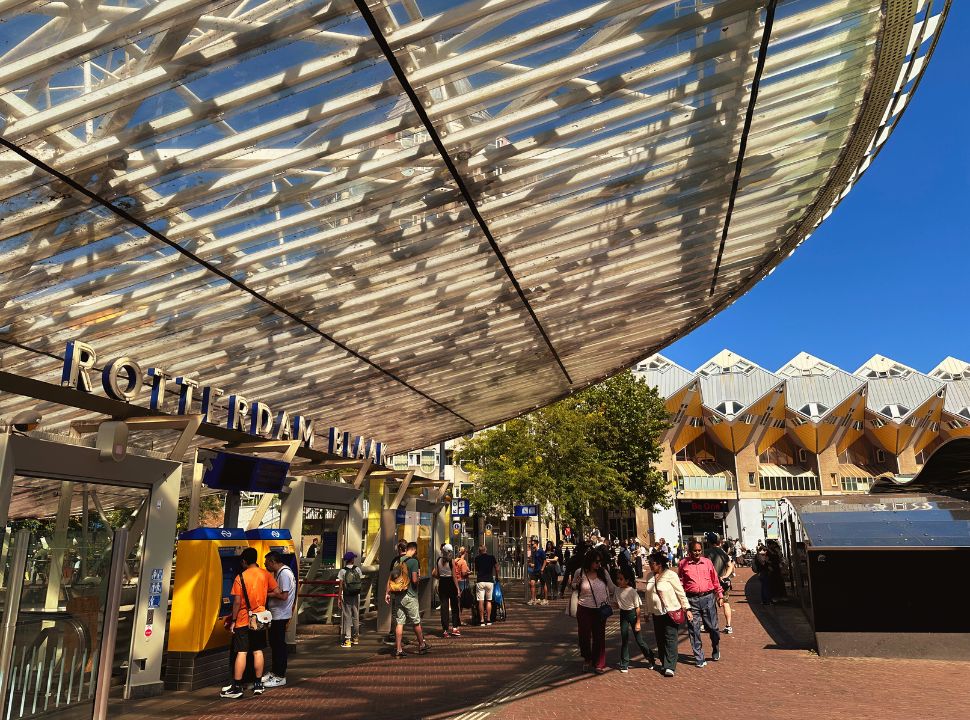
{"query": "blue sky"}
(889, 271)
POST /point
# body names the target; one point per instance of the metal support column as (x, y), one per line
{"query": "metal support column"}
(109, 628)
(195, 495)
(291, 518)
(59, 549)
(388, 541)
(231, 517)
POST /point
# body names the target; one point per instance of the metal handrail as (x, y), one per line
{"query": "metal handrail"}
(15, 589)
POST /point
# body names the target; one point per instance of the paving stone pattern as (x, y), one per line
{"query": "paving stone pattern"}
(528, 668)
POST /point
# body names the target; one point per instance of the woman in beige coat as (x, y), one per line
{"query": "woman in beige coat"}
(665, 595)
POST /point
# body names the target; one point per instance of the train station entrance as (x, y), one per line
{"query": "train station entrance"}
(86, 564)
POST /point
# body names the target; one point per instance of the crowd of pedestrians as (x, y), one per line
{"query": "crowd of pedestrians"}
(677, 593)
(691, 595)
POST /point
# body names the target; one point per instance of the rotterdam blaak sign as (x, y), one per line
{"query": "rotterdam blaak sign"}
(124, 379)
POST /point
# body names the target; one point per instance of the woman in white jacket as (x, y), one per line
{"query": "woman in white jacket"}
(664, 596)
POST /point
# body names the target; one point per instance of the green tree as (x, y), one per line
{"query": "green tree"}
(632, 420)
(590, 450)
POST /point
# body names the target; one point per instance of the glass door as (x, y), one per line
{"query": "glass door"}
(59, 595)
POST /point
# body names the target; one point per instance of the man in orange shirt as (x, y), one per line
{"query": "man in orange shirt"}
(258, 584)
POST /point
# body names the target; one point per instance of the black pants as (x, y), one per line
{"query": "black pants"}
(666, 633)
(448, 594)
(628, 621)
(277, 641)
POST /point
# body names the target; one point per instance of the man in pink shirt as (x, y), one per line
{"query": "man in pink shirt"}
(704, 593)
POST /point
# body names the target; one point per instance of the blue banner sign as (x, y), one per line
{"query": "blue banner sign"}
(526, 511)
(459, 507)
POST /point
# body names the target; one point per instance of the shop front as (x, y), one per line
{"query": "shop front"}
(698, 517)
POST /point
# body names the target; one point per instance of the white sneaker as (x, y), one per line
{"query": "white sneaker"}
(531, 602)
(274, 681)
(668, 673)
(545, 602)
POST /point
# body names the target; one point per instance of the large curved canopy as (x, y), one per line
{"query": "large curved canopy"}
(420, 217)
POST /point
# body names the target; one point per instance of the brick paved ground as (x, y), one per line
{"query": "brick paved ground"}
(527, 667)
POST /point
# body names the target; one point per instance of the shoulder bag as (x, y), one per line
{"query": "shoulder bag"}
(258, 620)
(678, 616)
(604, 607)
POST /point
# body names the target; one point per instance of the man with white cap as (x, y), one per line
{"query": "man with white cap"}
(448, 593)
(351, 580)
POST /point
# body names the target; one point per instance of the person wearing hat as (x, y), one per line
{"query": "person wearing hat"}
(348, 599)
(448, 592)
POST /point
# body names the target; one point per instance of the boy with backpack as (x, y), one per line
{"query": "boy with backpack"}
(402, 596)
(348, 599)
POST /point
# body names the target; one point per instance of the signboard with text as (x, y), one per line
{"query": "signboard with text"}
(526, 511)
(702, 506)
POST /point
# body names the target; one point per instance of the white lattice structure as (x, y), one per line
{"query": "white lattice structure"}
(264, 206)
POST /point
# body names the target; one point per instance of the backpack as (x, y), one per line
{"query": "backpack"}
(400, 579)
(352, 580)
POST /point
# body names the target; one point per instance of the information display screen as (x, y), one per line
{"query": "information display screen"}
(228, 471)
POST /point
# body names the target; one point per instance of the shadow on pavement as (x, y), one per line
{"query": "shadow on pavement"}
(783, 620)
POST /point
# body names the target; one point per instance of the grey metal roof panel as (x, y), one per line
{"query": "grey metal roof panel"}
(957, 399)
(811, 380)
(828, 391)
(664, 374)
(730, 377)
(956, 374)
(892, 383)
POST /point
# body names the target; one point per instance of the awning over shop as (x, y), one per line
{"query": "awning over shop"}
(769, 470)
(789, 478)
(695, 477)
(414, 219)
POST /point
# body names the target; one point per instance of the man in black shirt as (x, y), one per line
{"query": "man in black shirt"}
(724, 567)
(486, 575)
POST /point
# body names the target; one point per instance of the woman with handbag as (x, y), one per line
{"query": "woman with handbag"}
(593, 586)
(445, 571)
(666, 600)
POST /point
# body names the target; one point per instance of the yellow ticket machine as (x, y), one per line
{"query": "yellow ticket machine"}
(267, 540)
(206, 564)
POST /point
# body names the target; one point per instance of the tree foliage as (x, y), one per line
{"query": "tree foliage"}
(590, 450)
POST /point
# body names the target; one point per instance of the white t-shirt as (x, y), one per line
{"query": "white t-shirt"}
(283, 609)
(627, 598)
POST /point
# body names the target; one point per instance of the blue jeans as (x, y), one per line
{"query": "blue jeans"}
(703, 607)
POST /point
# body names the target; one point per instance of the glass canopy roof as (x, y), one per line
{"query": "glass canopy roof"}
(897, 521)
(417, 218)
